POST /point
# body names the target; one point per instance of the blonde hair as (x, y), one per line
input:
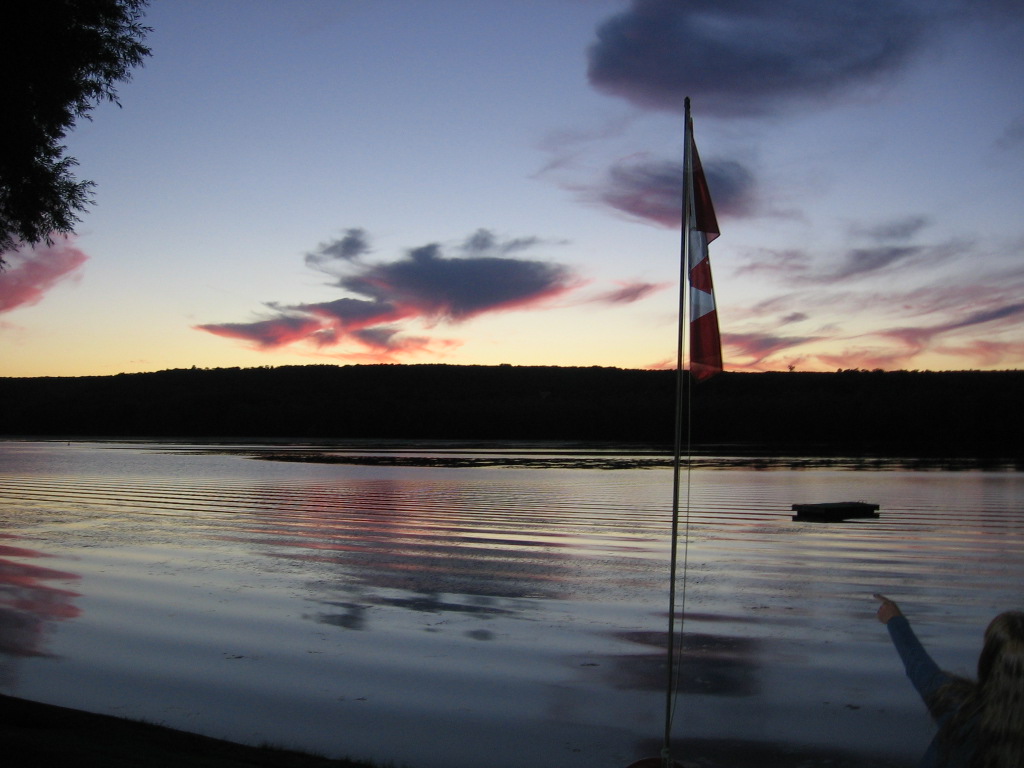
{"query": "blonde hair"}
(990, 712)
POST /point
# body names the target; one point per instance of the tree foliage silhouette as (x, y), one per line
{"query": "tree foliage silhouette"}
(852, 414)
(63, 58)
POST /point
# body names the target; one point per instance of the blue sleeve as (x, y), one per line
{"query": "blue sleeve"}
(922, 671)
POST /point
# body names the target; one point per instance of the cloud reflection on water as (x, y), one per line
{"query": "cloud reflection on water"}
(379, 547)
(27, 605)
(713, 665)
(354, 615)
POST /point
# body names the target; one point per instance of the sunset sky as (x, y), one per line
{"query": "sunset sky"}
(496, 181)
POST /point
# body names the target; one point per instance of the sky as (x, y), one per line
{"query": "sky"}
(497, 182)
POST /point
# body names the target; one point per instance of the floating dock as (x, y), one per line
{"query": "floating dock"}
(835, 511)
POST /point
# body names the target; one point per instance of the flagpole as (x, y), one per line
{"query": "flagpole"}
(684, 247)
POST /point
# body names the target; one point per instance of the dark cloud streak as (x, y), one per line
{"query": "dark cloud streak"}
(627, 294)
(349, 313)
(787, 264)
(861, 261)
(1013, 136)
(893, 230)
(986, 316)
(351, 246)
(484, 242)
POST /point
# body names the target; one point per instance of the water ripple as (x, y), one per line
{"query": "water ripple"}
(514, 598)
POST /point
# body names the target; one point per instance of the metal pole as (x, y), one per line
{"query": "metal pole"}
(679, 424)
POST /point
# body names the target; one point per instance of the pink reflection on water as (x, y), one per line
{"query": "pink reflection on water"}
(28, 603)
(377, 536)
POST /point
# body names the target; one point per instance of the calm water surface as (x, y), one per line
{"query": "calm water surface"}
(510, 616)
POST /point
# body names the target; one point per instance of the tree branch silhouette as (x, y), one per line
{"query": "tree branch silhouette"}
(64, 58)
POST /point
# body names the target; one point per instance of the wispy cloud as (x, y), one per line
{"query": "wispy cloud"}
(883, 260)
(33, 271)
(963, 301)
(750, 349)
(985, 353)
(890, 230)
(484, 242)
(792, 317)
(1013, 135)
(629, 292)
(1012, 311)
(901, 347)
(917, 338)
(865, 358)
(876, 248)
(353, 244)
(425, 285)
(987, 321)
(861, 261)
(785, 264)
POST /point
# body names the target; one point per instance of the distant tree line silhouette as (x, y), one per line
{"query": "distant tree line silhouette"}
(967, 413)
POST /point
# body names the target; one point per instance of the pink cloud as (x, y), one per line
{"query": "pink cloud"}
(388, 346)
(424, 285)
(32, 271)
(267, 334)
(904, 345)
(757, 347)
(916, 340)
(987, 354)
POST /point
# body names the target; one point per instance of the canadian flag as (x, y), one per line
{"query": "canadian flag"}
(702, 228)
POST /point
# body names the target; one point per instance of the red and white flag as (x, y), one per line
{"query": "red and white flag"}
(702, 227)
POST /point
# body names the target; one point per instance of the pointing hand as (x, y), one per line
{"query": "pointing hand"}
(888, 609)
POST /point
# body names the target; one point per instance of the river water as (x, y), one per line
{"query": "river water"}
(446, 615)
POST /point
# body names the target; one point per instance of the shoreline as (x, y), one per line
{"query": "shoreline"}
(547, 454)
(793, 461)
(34, 733)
